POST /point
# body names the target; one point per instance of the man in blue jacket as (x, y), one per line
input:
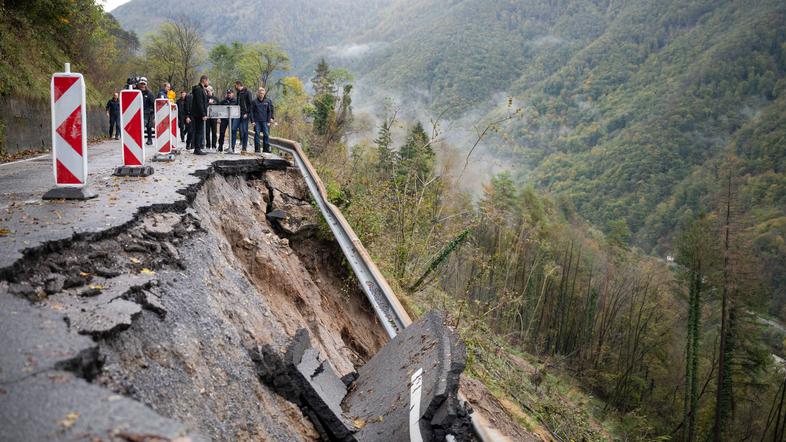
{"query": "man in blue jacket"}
(241, 124)
(263, 114)
(113, 112)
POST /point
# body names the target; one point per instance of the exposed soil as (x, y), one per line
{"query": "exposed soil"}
(500, 417)
(177, 299)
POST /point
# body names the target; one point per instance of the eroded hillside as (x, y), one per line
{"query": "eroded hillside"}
(176, 300)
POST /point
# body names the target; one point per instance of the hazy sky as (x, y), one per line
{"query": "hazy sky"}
(112, 4)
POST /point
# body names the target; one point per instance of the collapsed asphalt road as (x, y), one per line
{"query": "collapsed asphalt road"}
(140, 315)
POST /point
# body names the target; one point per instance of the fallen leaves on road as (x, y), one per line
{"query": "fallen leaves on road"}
(69, 420)
(135, 260)
(147, 271)
(359, 423)
(5, 232)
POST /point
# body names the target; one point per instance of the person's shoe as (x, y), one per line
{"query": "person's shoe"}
(199, 152)
(257, 151)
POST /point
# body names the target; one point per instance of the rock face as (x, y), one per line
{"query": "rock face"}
(289, 203)
(160, 315)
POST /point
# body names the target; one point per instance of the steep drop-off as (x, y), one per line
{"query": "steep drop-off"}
(177, 300)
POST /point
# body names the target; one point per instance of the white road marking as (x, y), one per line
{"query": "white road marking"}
(27, 159)
(414, 406)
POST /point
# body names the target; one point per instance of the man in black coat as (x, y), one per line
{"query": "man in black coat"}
(149, 109)
(198, 114)
(189, 124)
(229, 100)
(244, 100)
(181, 115)
(113, 112)
(262, 113)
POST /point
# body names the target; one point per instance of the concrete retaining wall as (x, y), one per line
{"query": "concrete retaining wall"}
(25, 124)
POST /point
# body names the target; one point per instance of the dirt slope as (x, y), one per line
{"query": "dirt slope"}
(176, 300)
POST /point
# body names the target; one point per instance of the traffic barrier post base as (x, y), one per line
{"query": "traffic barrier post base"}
(164, 157)
(135, 171)
(70, 193)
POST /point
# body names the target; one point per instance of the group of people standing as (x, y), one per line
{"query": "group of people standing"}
(197, 130)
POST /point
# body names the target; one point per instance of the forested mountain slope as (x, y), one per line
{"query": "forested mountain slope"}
(299, 26)
(630, 108)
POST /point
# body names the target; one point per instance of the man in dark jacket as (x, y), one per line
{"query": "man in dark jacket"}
(181, 115)
(244, 100)
(262, 113)
(198, 114)
(189, 124)
(229, 100)
(149, 109)
(113, 112)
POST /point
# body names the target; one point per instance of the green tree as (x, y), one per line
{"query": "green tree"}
(695, 253)
(322, 81)
(260, 60)
(332, 112)
(384, 143)
(224, 64)
(416, 157)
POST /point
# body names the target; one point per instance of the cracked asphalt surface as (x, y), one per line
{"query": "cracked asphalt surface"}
(30, 221)
(48, 364)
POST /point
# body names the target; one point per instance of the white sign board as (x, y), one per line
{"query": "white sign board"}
(223, 111)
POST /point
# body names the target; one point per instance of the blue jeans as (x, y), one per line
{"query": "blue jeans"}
(265, 128)
(242, 124)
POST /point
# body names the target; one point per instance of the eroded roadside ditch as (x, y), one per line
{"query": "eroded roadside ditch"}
(174, 301)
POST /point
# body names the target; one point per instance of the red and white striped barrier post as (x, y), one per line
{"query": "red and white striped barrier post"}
(175, 127)
(69, 137)
(163, 131)
(131, 135)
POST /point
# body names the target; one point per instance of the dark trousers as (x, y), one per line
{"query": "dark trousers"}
(114, 123)
(211, 133)
(183, 128)
(222, 130)
(199, 134)
(265, 129)
(149, 121)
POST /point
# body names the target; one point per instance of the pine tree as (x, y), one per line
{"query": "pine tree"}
(694, 254)
(321, 81)
(416, 156)
(384, 151)
(724, 381)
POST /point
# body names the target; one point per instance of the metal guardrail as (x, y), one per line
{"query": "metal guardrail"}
(384, 301)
